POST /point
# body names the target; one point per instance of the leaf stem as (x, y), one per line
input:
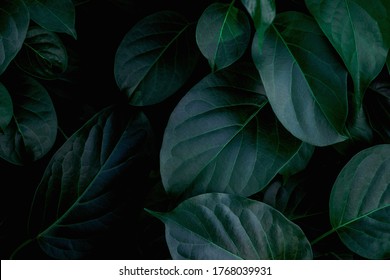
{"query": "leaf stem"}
(322, 236)
(20, 247)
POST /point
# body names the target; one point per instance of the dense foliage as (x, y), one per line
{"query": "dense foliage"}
(252, 129)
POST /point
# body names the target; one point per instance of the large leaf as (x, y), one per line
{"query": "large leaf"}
(54, 15)
(263, 13)
(155, 58)
(222, 34)
(81, 192)
(360, 32)
(223, 137)
(222, 226)
(305, 84)
(33, 128)
(14, 21)
(360, 203)
(6, 108)
(43, 55)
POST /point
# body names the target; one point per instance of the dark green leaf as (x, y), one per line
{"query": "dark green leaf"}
(223, 137)
(305, 84)
(360, 203)
(43, 55)
(155, 58)
(299, 161)
(360, 32)
(222, 34)
(14, 21)
(6, 108)
(388, 62)
(33, 128)
(80, 195)
(222, 226)
(54, 15)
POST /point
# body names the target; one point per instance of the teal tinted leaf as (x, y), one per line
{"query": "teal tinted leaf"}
(222, 226)
(388, 62)
(360, 203)
(33, 129)
(305, 84)
(155, 58)
(360, 32)
(223, 137)
(263, 13)
(6, 108)
(222, 34)
(82, 192)
(299, 161)
(43, 56)
(54, 15)
(14, 21)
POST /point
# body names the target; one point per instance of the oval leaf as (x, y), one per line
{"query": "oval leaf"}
(222, 226)
(54, 15)
(360, 32)
(33, 128)
(155, 58)
(360, 203)
(222, 137)
(305, 84)
(14, 21)
(80, 195)
(222, 34)
(43, 56)
(6, 108)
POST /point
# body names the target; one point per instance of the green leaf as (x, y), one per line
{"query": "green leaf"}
(360, 203)
(14, 21)
(33, 129)
(360, 32)
(305, 84)
(223, 137)
(6, 108)
(222, 226)
(155, 58)
(43, 56)
(388, 62)
(263, 13)
(82, 192)
(299, 161)
(54, 15)
(222, 34)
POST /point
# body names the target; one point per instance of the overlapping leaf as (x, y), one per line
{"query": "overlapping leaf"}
(360, 203)
(81, 191)
(304, 82)
(299, 161)
(6, 108)
(155, 58)
(222, 137)
(222, 34)
(222, 226)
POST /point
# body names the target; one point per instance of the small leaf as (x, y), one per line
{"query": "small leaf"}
(155, 58)
(33, 129)
(299, 161)
(43, 56)
(222, 226)
(14, 21)
(6, 108)
(360, 203)
(304, 82)
(81, 192)
(223, 137)
(222, 34)
(54, 15)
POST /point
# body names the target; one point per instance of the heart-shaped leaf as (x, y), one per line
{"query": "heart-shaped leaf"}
(305, 83)
(222, 34)
(360, 203)
(222, 137)
(222, 226)
(6, 108)
(33, 128)
(14, 21)
(360, 32)
(43, 55)
(155, 58)
(82, 189)
(54, 15)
